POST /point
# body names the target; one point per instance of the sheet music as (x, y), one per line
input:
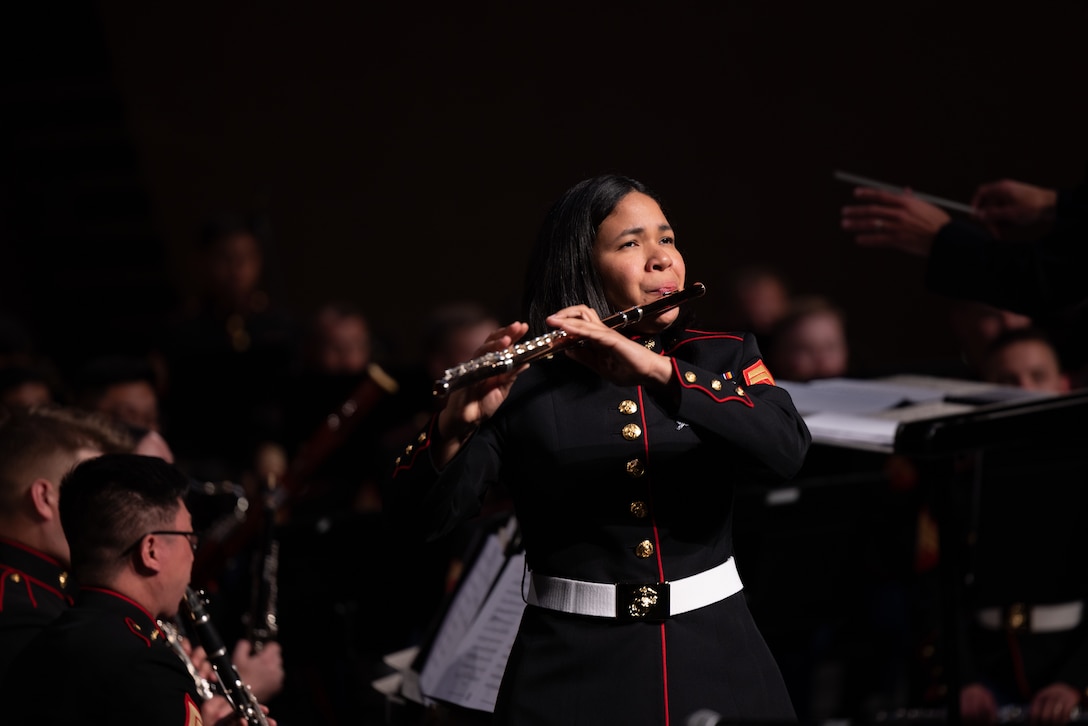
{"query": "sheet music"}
(866, 414)
(463, 611)
(844, 395)
(471, 676)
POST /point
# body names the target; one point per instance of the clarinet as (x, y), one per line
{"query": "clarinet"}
(544, 346)
(262, 624)
(173, 638)
(237, 693)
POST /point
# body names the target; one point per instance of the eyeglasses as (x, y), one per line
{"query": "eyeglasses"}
(194, 539)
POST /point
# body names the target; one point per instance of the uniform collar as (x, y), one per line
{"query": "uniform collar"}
(18, 560)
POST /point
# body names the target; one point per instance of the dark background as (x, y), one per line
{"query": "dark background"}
(405, 153)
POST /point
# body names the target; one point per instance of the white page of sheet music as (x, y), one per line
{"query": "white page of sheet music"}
(472, 676)
(479, 577)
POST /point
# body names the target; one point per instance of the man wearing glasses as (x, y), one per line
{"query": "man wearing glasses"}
(132, 544)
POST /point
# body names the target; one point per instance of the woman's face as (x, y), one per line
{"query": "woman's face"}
(636, 257)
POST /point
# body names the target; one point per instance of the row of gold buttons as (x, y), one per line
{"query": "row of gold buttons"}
(635, 469)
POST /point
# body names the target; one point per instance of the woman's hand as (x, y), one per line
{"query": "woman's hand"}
(608, 352)
(468, 407)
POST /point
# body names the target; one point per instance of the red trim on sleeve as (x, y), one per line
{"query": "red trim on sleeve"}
(406, 462)
(720, 397)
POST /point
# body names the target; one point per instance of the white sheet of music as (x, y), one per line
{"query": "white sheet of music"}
(479, 577)
(471, 677)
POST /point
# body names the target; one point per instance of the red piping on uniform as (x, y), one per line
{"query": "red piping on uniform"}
(30, 550)
(28, 580)
(135, 628)
(119, 596)
(657, 549)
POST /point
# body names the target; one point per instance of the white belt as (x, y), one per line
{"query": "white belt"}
(1035, 619)
(635, 601)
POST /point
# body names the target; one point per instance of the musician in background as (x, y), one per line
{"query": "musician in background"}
(808, 342)
(132, 545)
(1026, 559)
(37, 448)
(332, 519)
(225, 354)
(605, 450)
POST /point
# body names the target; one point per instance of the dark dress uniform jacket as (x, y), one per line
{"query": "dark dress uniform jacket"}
(104, 661)
(32, 595)
(611, 484)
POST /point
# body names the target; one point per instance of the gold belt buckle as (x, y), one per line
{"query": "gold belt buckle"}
(1016, 616)
(642, 601)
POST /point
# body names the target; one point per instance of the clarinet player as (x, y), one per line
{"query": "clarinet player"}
(621, 455)
(132, 543)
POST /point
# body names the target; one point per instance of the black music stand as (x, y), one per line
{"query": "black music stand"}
(1051, 420)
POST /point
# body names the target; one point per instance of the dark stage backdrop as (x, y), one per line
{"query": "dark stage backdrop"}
(405, 152)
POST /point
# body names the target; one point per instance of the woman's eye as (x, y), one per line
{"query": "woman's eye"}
(628, 243)
(668, 241)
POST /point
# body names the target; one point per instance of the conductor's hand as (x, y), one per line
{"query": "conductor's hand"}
(1054, 704)
(977, 704)
(468, 407)
(1014, 203)
(613, 355)
(896, 221)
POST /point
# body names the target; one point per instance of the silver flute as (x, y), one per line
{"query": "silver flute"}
(543, 346)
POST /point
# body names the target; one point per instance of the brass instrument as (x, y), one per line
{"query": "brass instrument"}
(543, 346)
(237, 693)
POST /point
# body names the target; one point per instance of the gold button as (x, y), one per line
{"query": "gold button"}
(407, 449)
(628, 406)
(154, 634)
(631, 432)
(15, 577)
(740, 391)
(644, 549)
(638, 509)
(635, 468)
(422, 438)
(650, 344)
(397, 462)
(62, 578)
(689, 377)
(716, 384)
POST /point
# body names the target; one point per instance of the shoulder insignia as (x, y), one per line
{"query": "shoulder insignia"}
(192, 713)
(758, 373)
